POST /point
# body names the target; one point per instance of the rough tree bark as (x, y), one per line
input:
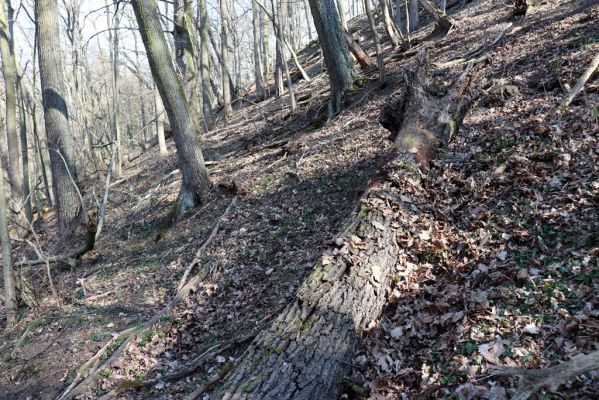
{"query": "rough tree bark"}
(195, 175)
(224, 32)
(10, 296)
(377, 42)
(308, 349)
(60, 142)
(9, 70)
(185, 49)
(257, 57)
(335, 49)
(207, 99)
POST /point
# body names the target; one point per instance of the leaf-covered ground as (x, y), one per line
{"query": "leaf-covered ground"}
(499, 269)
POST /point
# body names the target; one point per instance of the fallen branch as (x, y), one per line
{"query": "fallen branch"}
(91, 362)
(473, 54)
(533, 380)
(217, 376)
(90, 240)
(180, 295)
(198, 255)
(580, 84)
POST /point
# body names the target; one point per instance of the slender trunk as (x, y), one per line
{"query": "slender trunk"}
(10, 81)
(194, 187)
(257, 58)
(394, 35)
(60, 142)
(10, 294)
(160, 123)
(207, 99)
(224, 31)
(377, 42)
(114, 38)
(24, 150)
(413, 17)
(140, 86)
(308, 20)
(342, 17)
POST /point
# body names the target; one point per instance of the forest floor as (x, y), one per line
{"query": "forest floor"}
(506, 274)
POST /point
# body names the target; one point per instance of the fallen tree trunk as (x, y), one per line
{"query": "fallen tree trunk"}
(308, 349)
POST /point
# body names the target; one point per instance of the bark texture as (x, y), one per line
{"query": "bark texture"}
(9, 70)
(334, 46)
(308, 349)
(195, 175)
(60, 142)
(10, 295)
(207, 99)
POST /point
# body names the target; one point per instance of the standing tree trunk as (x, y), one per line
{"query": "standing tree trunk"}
(342, 17)
(394, 34)
(160, 123)
(114, 38)
(194, 187)
(185, 49)
(377, 42)
(9, 69)
(60, 142)
(308, 349)
(207, 99)
(224, 31)
(334, 46)
(257, 57)
(413, 17)
(10, 295)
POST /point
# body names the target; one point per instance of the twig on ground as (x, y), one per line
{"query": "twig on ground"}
(200, 251)
(580, 84)
(90, 363)
(181, 294)
(533, 380)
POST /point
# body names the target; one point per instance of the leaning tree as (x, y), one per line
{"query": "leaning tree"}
(194, 187)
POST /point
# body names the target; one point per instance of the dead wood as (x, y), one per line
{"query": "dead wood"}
(91, 363)
(364, 59)
(308, 349)
(580, 83)
(443, 22)
(200, 251)
(532, 380)
(181, 294)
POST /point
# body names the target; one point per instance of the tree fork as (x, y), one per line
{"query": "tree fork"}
(309, 347)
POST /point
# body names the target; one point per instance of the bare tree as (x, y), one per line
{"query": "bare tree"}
(194, 187)
(60, 142)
